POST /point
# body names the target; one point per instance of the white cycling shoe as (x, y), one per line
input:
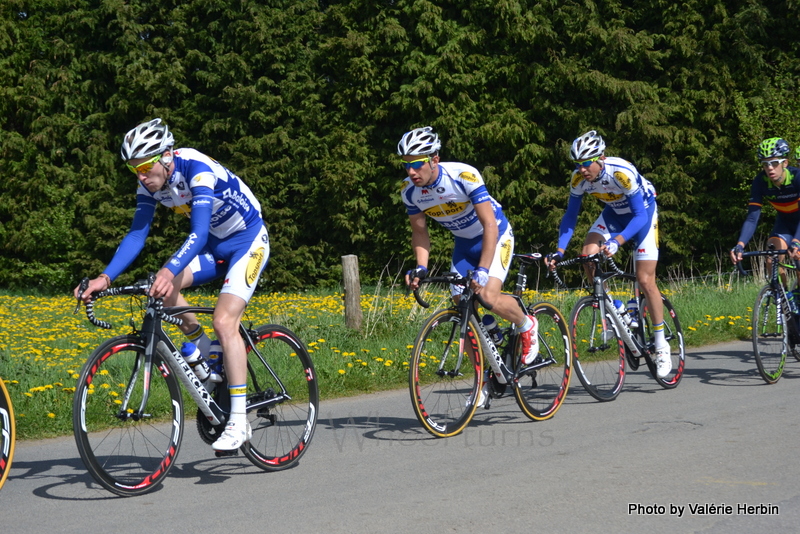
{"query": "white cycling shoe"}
(234, 436)
(663, 361)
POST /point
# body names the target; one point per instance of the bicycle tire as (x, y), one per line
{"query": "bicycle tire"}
(282, 431)
(598, 352)
(541, 391)
(674, 335)
(769, 336)
(8, 433)
(125, 456)
(445, 401)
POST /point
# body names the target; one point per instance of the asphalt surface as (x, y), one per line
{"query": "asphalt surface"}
(713, 455)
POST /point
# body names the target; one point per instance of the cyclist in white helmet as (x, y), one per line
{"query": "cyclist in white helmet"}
(630, 214)
(455, 196)
(227, 238)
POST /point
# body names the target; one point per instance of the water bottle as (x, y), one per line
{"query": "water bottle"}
(633, 312)
(490, 323)
(792, 298)
(622, 311)
(215, 362)
(195, 360)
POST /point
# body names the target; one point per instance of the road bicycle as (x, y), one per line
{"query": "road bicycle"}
(128, 412)
(8, 432)
(775, 319)
(448, 376)
(603, 340)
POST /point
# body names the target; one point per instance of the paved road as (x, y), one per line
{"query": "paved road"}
(722, 438)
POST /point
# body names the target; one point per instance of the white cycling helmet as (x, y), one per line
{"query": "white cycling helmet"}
(419, 142)
(147, 139)
(589, 145)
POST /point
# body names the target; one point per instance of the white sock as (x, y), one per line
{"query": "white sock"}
(658, 331)
(238, 404)
(526, 325)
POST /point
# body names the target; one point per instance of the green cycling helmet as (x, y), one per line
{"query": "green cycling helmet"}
(774, 147)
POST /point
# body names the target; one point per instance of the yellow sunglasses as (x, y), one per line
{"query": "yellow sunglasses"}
(145, 166)
(586, 162)
(416, 164)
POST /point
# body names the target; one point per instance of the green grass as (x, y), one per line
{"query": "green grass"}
(43, 345)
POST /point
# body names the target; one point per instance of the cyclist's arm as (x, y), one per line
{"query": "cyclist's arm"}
(568, 222)
(420, 239)
(753, 209)
(636, 201)
(491, 233)
(202, 202)
(133, 243)
(750, 224)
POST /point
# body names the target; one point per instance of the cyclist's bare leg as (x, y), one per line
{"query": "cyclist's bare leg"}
(183, 280)
(227, 316)
(504, 306)
(591, 245)
(646, 275)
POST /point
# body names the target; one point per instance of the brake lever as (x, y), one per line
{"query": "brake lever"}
(84, 285)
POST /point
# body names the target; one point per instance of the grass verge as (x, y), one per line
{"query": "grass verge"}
(43, 345)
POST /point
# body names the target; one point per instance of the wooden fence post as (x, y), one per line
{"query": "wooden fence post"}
(352, 292)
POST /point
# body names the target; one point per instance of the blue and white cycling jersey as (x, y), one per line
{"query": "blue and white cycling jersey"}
(617, 182)
(451, 200)
(217, 201)
(629, 198)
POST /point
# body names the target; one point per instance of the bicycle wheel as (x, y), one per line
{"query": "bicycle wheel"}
(542, 386)
(674, 336)
(445, 374)
(599, 352)
(8, 433)
(282, 399)
(769, 336)
(128, 448)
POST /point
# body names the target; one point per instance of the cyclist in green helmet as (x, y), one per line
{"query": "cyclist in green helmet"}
(778, 184)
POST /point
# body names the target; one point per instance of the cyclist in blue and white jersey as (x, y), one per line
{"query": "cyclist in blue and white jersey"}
(454, 195)
(629, 214)
(227, 238)
(778, 184)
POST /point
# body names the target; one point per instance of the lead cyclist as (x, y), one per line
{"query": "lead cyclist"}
(228, 238)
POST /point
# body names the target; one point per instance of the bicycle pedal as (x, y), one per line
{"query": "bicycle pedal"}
(221, 454)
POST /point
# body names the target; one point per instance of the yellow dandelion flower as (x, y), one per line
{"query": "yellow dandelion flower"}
(341, 371)
(51, 415)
